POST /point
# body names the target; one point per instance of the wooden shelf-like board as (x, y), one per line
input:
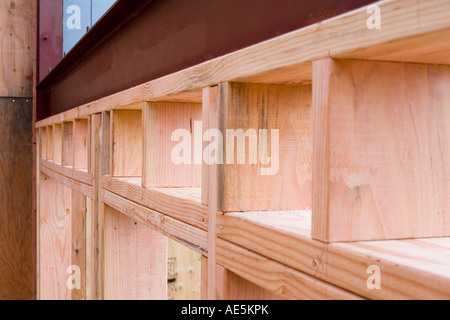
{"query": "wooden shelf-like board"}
(276, 278)
(410, 269)
(80, 175)
(412, 31)
(178, 230)
(84, 189)
(183, 204)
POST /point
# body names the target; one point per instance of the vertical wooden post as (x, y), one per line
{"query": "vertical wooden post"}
(135, 259)
(79, 242)
(209, 181)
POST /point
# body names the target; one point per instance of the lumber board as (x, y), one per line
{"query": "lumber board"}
(85, 189)
(95, 156)
(184, 272)
(36, 208)
(210, 181)
(210, 120)
(106, 150)
(276, 278)
(55, 239)
(161, 121)
(135, 260)
(412, 31)
(78, 248)
(57, 143)
(90, 251)
(69, 172)
(17, 21)
(36, 156)
(410, 269)
(80, 144)
(284, 111)
(179, 203)
(284, 236)
(17, 271)
(127, 143)
(186, 234)
(382, 152)
(416, 269)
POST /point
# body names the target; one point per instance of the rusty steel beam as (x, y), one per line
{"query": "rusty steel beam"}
(138, 41)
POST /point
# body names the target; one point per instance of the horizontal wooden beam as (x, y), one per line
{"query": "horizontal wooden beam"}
(81, 176)
(84, 189)
(283, 236)
(410, 269)
(184, 233)
(180, 203)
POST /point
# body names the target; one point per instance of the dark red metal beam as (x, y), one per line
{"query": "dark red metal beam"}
(50, 35)
(138, 41)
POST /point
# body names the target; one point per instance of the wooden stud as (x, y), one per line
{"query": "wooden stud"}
(210, 120)
(79, 242)
(190, 236)
(210, 181)
(382, 152)
(180, 203)
(106, 138)
(161, 121)
(95, 151)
